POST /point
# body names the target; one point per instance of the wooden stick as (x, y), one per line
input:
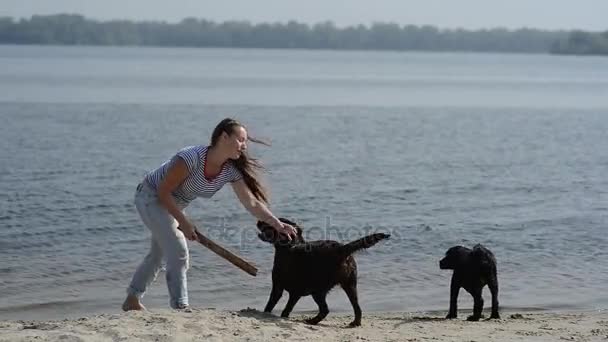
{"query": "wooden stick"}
(226, 254)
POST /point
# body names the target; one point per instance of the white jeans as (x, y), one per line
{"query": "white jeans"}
(168, 242)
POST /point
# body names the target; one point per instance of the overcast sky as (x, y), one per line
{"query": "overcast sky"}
(470, 14)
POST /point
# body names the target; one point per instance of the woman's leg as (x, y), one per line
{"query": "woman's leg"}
(174, 248)
(148, 269)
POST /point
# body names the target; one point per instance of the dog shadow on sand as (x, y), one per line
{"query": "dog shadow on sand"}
(268, 318)
(289, 323)
(434, 318)
(413, 319)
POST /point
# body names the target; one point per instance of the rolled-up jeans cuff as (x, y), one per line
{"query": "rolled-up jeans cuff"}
(134, 292)
(182, 304)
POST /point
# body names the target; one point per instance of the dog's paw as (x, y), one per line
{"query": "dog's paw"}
(495, 316)
(451, 316)
(311, 321)
(354, 324)
(473, 318)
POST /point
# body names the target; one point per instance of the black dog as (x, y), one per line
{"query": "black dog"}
(313, 268)
(473, 269)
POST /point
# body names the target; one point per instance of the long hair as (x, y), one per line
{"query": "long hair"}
(247, 165)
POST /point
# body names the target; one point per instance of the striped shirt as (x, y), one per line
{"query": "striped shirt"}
(196, 184)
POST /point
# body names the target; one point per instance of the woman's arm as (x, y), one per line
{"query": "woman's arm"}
(177, 172)
(258, 209)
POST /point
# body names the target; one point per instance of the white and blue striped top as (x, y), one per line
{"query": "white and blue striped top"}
(196, 184)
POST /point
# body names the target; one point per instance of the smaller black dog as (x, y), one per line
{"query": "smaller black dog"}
(473, 269)
(313, 268)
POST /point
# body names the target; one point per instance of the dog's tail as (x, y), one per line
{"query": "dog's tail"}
(362, 243)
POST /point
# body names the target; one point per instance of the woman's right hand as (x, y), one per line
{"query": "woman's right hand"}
(288, 230)
(188, 229)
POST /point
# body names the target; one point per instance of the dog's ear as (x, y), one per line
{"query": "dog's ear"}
(268, 234)
(284, 220)
(477, 252)
(482, 257)
(299, 237)
(456, 257)
(296, 226)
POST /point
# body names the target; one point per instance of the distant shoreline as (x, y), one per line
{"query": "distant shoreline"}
(267, 48)
(298, 49)
(76, 30)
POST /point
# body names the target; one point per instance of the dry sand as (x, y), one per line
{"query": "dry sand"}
(252, 325)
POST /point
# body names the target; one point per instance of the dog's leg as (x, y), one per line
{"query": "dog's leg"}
(477, 305)
(454, 289)
(275, 295)
(323, 309)
(351, 292)
(493, 285)
(293, 299)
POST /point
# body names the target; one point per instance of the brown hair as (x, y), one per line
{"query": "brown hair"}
(246, 164)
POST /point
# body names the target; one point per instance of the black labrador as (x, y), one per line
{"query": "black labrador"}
(313, 268)
(473, 269)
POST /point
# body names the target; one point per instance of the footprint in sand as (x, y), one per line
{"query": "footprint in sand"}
(157, 319)
(69, 338)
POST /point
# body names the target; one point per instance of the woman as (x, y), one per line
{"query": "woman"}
(196, 171)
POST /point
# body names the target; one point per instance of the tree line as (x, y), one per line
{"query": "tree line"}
(582, 43)
(70, 29)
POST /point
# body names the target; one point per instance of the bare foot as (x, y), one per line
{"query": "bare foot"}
(132, 303)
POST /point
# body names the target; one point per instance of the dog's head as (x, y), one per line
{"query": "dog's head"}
(454, 258)
(270, 235)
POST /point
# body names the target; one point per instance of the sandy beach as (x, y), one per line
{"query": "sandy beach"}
(253, 325)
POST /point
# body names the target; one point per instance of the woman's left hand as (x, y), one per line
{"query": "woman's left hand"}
(288, 230)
